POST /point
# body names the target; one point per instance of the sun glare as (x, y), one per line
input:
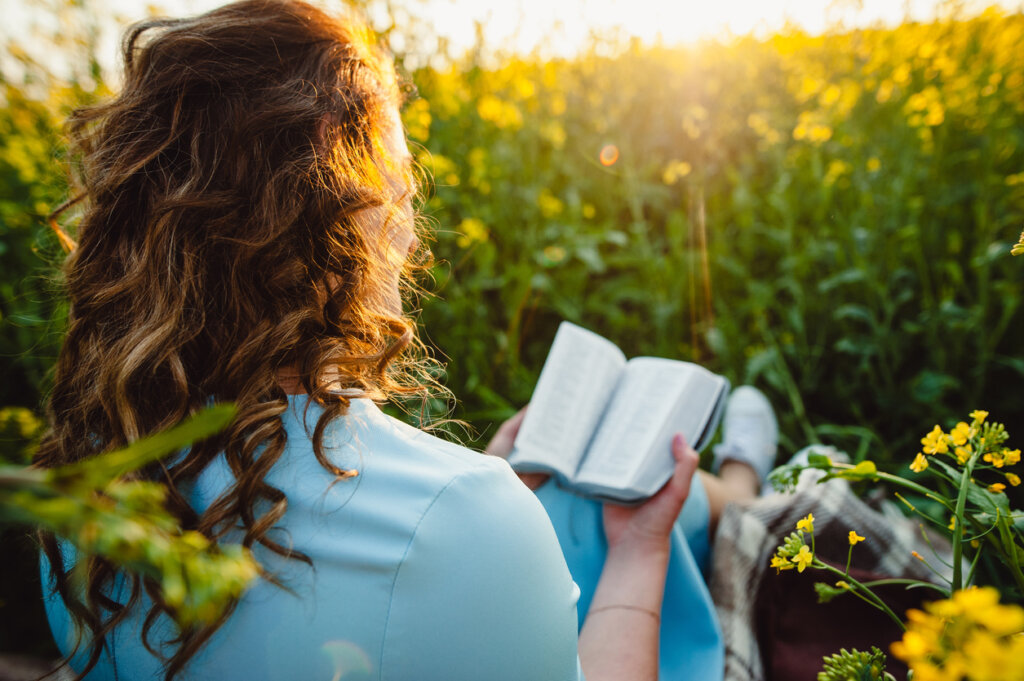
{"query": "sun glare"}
(563, 27)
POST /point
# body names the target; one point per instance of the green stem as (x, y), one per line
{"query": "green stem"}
(908, 582)
(1008, 547)
(19, 476)
(875, 600)
(901, 482)
(974, 567)
(958, 534)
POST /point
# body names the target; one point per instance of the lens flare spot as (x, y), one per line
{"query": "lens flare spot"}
(348, 659)
(609, 154)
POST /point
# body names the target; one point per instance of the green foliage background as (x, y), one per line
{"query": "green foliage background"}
(828, 218)
(861, 193)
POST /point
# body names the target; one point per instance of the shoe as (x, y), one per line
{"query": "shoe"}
(750, 432)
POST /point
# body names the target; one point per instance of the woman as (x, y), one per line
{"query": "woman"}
(245, 236)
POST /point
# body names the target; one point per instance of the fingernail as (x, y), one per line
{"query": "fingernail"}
(678, 440)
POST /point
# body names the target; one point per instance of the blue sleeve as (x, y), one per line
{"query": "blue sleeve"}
(483, 591)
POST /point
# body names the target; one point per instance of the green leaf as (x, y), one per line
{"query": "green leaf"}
(101, 469)
(865, 470)
(826, 592)
(819, 461)
(988, 502)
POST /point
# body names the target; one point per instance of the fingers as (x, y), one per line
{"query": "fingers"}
(501, 443)
(687, 461)
(514, 423)
(533, 480)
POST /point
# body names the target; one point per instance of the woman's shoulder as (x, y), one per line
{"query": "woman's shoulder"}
(393, 459)
(377, 445)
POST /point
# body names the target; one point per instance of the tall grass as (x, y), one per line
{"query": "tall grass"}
(828, 218)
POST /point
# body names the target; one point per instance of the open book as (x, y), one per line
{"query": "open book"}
(603, 425)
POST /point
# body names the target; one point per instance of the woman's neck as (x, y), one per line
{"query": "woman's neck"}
(290, 381)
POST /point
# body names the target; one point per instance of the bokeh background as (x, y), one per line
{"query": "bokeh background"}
(820, 204)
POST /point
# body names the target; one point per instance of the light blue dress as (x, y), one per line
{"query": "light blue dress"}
(435, 563)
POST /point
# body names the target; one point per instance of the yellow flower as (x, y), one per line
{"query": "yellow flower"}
(974, 599)
(963, 453)
(873, 164)
(961, 434)
(1012, 456)
(803, 558)
(952, 523)
(780, 564)
(996, 487)
(549, 204)
(1013, 479)
(675, 170)
(1018, 248)
(979, 416)
(471, 231)
(935, 442)
(970, 635)
(913, 645)
(843, 585)
(919, 463)
(806, 524)
(854, 538)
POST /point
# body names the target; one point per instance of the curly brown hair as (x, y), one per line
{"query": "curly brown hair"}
(237, 196)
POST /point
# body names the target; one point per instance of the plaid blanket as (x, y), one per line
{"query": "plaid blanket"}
(748, 535)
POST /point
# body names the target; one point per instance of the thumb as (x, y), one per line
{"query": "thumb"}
(687, 461)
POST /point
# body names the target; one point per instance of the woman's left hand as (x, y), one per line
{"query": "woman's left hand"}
(501, 445)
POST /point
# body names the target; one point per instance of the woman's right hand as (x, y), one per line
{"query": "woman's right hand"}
(648, 525)
(619, 639)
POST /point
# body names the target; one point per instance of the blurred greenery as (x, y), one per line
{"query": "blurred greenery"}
(100, 513)
(827, 217)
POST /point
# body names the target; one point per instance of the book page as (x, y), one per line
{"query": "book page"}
(656, 399)
(577, 381)
(647, 394)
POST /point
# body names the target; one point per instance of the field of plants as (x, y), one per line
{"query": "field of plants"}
(829, 218)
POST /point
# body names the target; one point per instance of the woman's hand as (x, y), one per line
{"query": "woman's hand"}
(501, 445)
(649, 525)
(619, 639)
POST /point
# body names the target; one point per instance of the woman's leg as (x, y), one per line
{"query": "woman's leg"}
(736, 481)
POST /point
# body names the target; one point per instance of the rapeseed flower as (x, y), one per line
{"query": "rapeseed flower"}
(969, 635)
(1002, 457)
(803, 558)
(961, 434)
(996, 487)
(806, 524)
(919, 463)
(935, 442)
(780, 564)
(471, 231)
(979, 416)
(1018, 248)
(854, 538)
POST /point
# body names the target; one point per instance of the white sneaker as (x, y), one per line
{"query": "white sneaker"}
(750, 433)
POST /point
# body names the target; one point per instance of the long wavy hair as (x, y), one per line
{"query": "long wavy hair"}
(237, 198)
